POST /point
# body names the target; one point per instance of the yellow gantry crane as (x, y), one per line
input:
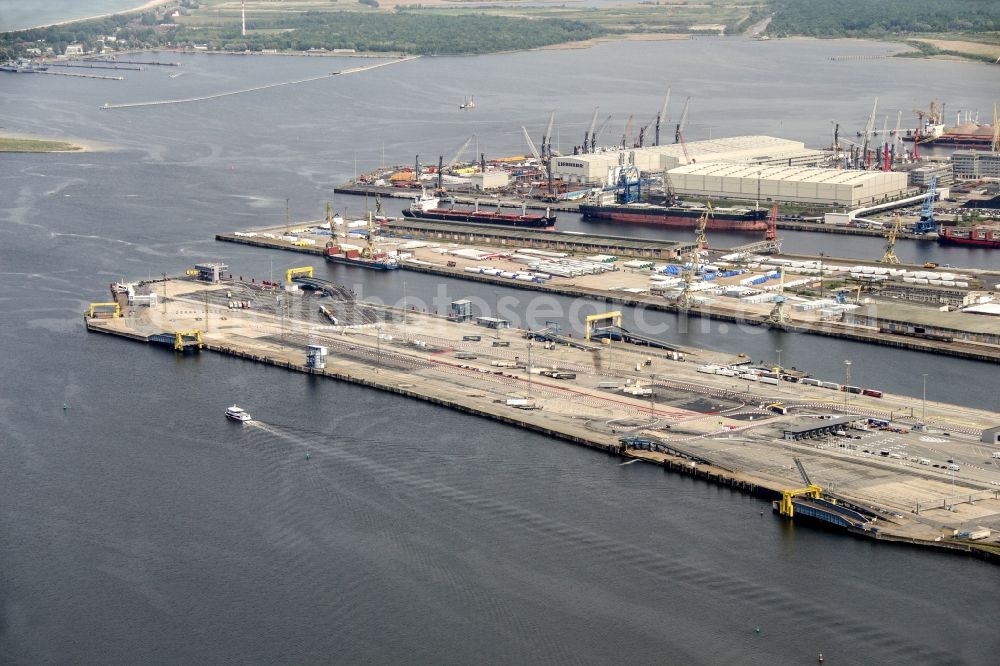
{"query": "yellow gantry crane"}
(294, 272)
(615, 317)
(889, 257)
(786, 508)
(179, 339)
(102, 308)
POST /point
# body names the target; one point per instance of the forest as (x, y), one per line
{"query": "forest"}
(423, 33)
(881, 18)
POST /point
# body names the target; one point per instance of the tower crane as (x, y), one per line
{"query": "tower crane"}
(627, 132)
(869, 131)
(778, 316)
(669, 196)
(927, 223)
(679, 134)
(547, 139)
(772, 224)
(588, 135)
(700, 240)
(547, 153)
(889, 257)
(661, 117)
(596, 136)
(897, 142)
(684, 299)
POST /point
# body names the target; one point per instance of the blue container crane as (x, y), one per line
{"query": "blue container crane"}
(927, 224)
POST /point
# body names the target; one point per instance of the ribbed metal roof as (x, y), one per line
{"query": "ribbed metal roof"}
(776, 173)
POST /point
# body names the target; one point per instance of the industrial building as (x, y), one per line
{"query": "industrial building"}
(816, 429)
(922, 321)
(829, 187)
(490, 180)
(594, 168)
(921, 176)
(975, 164)
(991, 435)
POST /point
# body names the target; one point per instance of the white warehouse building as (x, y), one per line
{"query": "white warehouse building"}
(593, 168)
(830, 187)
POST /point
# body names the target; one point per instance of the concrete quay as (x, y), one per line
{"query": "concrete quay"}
(484, 199)
(711, 426)
(621, 287)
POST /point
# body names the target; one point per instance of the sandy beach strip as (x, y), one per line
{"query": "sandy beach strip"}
(141, 8)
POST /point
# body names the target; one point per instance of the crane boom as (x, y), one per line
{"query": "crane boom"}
(869, 130)
(531, 144)
(996, 130)
(595, 137)
(627, 132)
(897, 139)
(461, 150)
(590, 133)
(547, 142)
(682, 122)
(661, 117)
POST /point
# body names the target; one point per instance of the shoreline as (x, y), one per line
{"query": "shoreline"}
(81, 145)
(150, 4)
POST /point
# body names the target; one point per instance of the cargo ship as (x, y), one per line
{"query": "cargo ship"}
(721, 219)
(367, 257)
(985, 237)
(426, 207)
(967, 135)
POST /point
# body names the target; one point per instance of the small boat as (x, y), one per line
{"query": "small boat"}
(237, 414)
(468, 103)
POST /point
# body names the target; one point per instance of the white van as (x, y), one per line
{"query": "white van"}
(953, 468)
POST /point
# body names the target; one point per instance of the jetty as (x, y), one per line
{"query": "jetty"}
(687, 410)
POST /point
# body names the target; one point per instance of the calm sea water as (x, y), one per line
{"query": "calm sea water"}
(19, 14)
(138, 525)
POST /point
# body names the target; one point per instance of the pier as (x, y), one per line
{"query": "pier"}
(203, 98)
(624, 286)
(639, 403)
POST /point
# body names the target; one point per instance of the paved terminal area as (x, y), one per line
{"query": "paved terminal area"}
(743, 294)
(601, 392)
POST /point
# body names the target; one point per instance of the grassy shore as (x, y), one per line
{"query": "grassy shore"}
(15, 145)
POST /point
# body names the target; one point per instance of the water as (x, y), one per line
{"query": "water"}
(140, 523)
(17, 14)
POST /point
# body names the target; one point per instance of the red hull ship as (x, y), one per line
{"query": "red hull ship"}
(986, 237)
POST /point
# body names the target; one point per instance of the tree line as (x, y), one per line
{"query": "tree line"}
(879, 18)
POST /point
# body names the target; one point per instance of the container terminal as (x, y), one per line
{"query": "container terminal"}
(942, 310)
(874, 464)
